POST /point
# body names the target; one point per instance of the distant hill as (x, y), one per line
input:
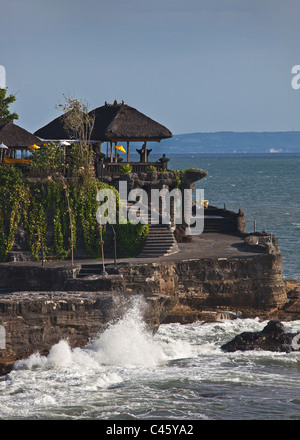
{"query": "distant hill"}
(230, 142)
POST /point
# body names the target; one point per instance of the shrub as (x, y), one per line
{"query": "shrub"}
(150, 168)
(125, 168)
(130, 238)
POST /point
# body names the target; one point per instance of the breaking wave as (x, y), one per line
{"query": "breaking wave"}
(125, 343)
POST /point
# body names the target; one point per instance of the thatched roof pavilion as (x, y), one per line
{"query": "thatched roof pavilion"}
(54, 130)
(14, 136)
(113, 123)
(120, 122)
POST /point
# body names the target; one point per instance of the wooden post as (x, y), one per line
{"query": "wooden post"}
(110, 152)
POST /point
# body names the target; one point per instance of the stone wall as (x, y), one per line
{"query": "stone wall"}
(250, 284)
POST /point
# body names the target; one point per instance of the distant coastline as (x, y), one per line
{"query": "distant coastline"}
(228, 142)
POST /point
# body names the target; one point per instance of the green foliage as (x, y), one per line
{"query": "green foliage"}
(194, 169)
(54, 160)
(86, 213)
(47, 161)
(80, 160)
(78, 121)
(151, 168)
(49, 208)
(14, 202)
(125, 168)
(130, 238)
(5, 101)
(180, 175)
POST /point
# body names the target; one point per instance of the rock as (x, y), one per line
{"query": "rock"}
(272, 338)
(35, 321)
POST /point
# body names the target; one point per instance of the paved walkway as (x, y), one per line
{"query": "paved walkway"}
(206, 245)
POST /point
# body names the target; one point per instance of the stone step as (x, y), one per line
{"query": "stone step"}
(160, 236)
(154, 254)
(157, 249)
(95, 269)
(158, 244)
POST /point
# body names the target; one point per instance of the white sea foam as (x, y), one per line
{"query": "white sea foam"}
(128, 342)
(128, 370)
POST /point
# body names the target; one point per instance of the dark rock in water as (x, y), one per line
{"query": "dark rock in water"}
(272, 338)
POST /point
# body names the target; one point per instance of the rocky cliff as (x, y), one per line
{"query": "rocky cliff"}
(34, 321)
(250, 285)
(41, 305)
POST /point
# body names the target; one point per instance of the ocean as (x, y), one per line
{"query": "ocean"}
(180, 373)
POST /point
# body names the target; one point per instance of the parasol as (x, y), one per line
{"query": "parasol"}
(120, 147)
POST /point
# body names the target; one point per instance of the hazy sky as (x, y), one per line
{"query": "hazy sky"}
(192, 65)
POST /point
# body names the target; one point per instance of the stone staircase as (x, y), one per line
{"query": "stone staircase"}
(212, 224)
(159, 242)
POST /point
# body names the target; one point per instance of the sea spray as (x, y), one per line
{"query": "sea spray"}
(193, 377)
(126, 342)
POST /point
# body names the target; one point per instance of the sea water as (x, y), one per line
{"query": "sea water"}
(180, 373)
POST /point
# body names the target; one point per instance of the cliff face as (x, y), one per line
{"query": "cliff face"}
(251, 285)
(35, 321)
(51, 303)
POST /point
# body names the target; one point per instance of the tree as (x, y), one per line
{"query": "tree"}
(79, 124)
(5, 101)
(77, 120)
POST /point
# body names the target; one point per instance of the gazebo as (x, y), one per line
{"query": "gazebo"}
(18, 140)
(54, 130)
(116, 123)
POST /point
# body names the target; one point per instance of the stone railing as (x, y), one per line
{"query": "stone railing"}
(113, 168)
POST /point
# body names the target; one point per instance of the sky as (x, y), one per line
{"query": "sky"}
(192, 65)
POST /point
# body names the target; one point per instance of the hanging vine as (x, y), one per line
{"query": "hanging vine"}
(14, 198)
(56, 215)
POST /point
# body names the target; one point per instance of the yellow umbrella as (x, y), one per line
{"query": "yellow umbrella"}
(121, 148)
(34, 147)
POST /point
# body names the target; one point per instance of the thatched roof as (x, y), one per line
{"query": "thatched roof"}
(55, 130)
(14, 136)
(120, 122)
(116, 122)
